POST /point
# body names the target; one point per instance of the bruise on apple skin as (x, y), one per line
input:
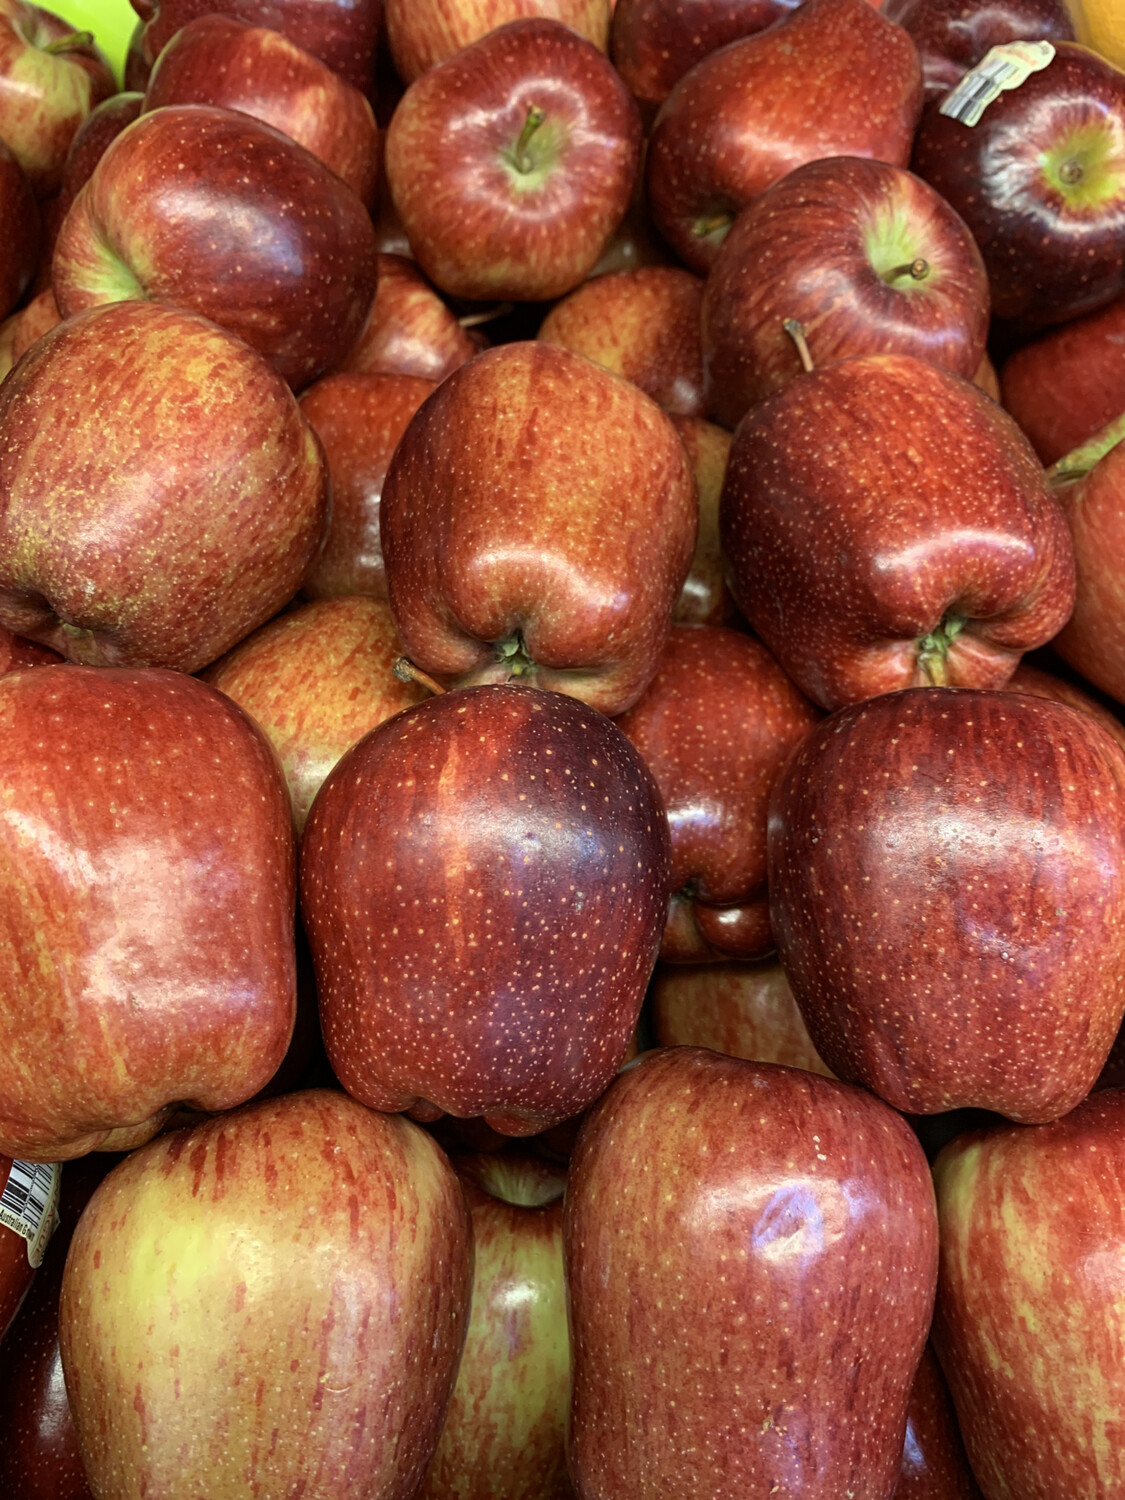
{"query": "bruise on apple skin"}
(483, 880)
(970, 847)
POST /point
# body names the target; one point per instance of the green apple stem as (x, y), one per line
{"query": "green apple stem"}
(1079, 461)
(917, 270)
(70, 43)
(521, 160)
(797, 334)
(933, 649)
(405, 670)
(712, 224)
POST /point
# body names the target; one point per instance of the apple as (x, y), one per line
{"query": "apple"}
(512, 163)
(1065, 387)
(316, 680)
(887, 525)
(934, 1466)
(273, 1302)
(952, 36)
(964, 838)
(704, 598)
(409, 329)
(751, 1253)
(483, 880)
(503, 1436)
(51, 77)
(1029, 679)
(423, 33)
(20, 232)
(34, 319)
(159, 504)
(865, 256)
(293, 270)
(1040, 181)
(831, 79)
(642, 325)
(146, 901)
(538, 520)
(17, 653)
(219, 60)
(103, 124)
(715, 726)
(1028, 1323)
(359, 419)
(28, 1200)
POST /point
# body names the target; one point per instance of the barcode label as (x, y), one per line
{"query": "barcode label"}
(29, 1204)
(1005, 67)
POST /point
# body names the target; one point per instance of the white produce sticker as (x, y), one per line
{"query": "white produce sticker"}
(1005, 67)
(29, 1204)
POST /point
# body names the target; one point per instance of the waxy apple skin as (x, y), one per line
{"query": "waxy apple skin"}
(934, 1466)
(483, 879)
(970, 848)
(423, 33)
(538, 520)
(952, 36)
(887, 525)
(751, 1254)
(146, 906)
(409, 329)
(1028, 1323)
(271, 1303)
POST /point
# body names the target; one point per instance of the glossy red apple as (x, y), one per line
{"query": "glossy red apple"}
(20, 331)
(832, 79)
(20, 231)
(409, 329)
(484, 879)
(973, 846)
(1041, 684)
(125, 538)
(865, 256)
(887, 525)
(705, 598)
(512, 163)
(217, 59)
(28, 1200)
(642, 325)
(147, 847)
(292, 273)
(359, 419)
(423, 33)
(953, 36)
(934, 1466)
(751, 1254)
(275, 1301)
(1028, 1323)
(715, 726)
(538, 520)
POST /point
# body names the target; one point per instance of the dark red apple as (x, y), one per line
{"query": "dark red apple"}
(953, 36)
(17, 653)
(1040, 181)
(865, 256)
(484, 879)
(423, 33)
(28, 1216)
(1041, 684)
(538, 520)
(103, 124)
(20, 232)
(20, 331)
(934, 1466)
(642, 325)
(715, 726)
(292, 271)
(512, 163)
(409, 329)
(972, 848)
(887, 525)
(832, 79)
(751, 1253)
(146, 895)
(705, 598)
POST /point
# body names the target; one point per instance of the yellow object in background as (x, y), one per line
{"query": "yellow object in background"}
(111, 21)
(1101, 24)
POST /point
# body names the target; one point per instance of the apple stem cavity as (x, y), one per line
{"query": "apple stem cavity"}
(522, 159)
(797, 333)
(405, 670)
(712, 224)
(933, 650)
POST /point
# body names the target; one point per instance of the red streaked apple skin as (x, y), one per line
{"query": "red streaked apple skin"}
(886, 526)
(934, 1466)
(146, 905)
(483, 880)
(538, 519)
(1028, 1323)
(971, 846)
(409, 329)
(272, 1303)
(423, 33)
(705, 598)
(751, 1254)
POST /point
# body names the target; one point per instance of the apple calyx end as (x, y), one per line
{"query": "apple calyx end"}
(933, 650)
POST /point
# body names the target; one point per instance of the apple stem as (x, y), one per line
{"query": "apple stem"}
(1071, 172)
(535, 118)
(487, 315)
(797, 334)
(405, 670)
(917, 270)
(933, 649)
(70, 43)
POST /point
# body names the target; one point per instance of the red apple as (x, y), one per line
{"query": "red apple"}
(832, 79)
(865, 256)
(751, 1254)
(293, 271)
(705, 598)
(1029, 679)
(316, 680)
(972, 845)
(512, 163)
(423, 33)
(273, 1302)
(953, 36)
(216, 59)
(359, 419)
(887, 525)
(103, 124)
(934, 1466)
(33, 320)
(538, 521)
(28, 1215)
(146, 894)
(17, 653)
(484, 879)
(20, 232)
(162, 495)
(642, 325)
(715, 726)
(409, 329)
(1028, 1323)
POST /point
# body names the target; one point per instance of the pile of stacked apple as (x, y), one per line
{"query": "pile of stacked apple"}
(524, 486)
